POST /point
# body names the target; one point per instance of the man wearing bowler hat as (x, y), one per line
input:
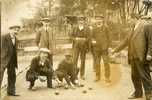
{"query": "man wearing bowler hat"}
(9, 58)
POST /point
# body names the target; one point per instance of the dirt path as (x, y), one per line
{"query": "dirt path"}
(120, 88)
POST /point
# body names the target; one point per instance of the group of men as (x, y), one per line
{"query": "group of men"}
(84, 39)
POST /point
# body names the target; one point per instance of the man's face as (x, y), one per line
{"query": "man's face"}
(99, 23)
(46, 23)
(43, 56)
(81, 23)
(69, 59)
(15, 31)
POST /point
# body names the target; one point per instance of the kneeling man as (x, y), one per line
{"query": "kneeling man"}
(40, 66)
(67, 71)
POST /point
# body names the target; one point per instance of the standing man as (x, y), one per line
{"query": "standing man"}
(137, 52)
(100, 44)
(80, 37)
(9, 59)
(45, 38)
(38, 28)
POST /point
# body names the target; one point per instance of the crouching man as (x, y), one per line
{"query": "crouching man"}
(67, 71)
(40, 66)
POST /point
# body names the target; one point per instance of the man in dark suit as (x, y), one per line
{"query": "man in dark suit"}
(137, 52)
(148, 34)
(40, 66)
(9, 59)
(80, 38)
(100, 44)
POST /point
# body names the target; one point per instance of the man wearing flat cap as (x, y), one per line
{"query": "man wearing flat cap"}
(100, 44)
(40, 66)
(9, 58)
(80, 37)
(45, 37)
(66, 70)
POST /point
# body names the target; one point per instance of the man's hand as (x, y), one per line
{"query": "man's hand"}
(149, 57)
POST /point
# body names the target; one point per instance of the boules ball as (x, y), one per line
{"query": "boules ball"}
(84, 91)
(56, 93)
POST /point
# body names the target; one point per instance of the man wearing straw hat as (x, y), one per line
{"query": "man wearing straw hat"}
(9, 58)
(40, 66)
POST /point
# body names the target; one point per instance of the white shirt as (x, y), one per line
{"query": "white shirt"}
(13, 39)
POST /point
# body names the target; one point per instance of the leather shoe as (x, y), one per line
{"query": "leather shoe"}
(11, 94)
(133, 96)
(148, 96)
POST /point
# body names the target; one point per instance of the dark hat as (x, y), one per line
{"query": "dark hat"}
(14, 26)
(45, 19)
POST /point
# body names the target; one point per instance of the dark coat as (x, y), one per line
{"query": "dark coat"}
(101, 36)
(66, 68)
(148, 32)
(8, 52)
(36, 67)
(84, 33)
(136, 42)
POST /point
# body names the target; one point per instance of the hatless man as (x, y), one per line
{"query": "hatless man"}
(9, 58)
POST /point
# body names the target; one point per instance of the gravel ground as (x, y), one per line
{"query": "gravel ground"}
(120, 87)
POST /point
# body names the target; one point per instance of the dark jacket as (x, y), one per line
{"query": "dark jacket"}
(8, 51)
(148, 33)
(37, 67)
(67, 68)
(101, 36)
(84, 33)
(136, 42)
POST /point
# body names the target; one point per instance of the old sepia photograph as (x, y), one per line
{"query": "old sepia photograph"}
(76, 50)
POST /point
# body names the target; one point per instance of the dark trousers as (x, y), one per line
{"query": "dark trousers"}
(82, 53)
(11, 78)
(97, 59)
(140, 74)
(49, 79)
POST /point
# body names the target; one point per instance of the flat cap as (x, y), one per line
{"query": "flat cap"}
(68, 54)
